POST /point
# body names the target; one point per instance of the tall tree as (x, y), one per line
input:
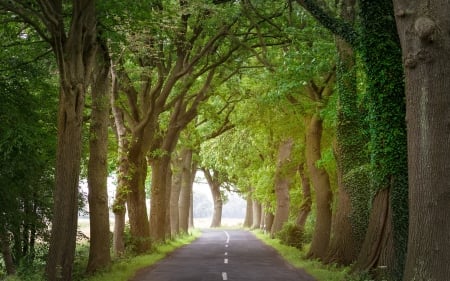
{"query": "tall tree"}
(27, 142)
(350, 217)
(74, 47)
(425, 39)
(379, 45)
(99, 248)
(319, 176)
(215, 182)
(285, 171)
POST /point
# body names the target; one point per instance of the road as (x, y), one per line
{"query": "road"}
(220, 255)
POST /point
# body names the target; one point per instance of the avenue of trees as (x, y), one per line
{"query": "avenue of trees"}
(330, 114)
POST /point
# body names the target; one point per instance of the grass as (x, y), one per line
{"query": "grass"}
(297, 258)
(126, 268)
(120, 270)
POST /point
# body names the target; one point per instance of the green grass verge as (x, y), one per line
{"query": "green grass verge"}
(297, 258)
(126, 268)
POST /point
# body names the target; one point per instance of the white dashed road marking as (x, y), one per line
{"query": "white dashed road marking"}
(228, 237)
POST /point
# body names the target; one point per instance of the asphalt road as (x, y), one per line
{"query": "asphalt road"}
(219, 255)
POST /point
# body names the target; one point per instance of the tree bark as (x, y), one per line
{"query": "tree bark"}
(321, 184)
(177, 174)
(248, 221)
(75, 53)
(386, 114)
(344, 245)
(119, 207)
(268, 221)
(305, 208)
(283, 179)
(425, 38)
(256, 214)
(158, 200)
(136, 206)
(186, 190)
(6, 253)
(376, 254)
(214, 186)
(99, 249)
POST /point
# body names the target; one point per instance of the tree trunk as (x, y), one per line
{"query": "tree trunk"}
(305, 208)
(321, 184)
(425, 38)
(283, 179)
(214, 186)
(268, 221)
(191, 201)
(376, 253)
(343, 248)
(136, 206)
(99, 249)
(248, 221)
(350, 153)
(177, 175)
(381, 54)
(256, 214)
(75, 54)
(158, 201)
(119, 208)
(6, 253)
(186, 190)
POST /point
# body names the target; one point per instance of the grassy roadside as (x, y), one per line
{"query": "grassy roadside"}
(124, 269)
(296, 257)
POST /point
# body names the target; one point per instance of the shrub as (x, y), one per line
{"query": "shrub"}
(291, 235)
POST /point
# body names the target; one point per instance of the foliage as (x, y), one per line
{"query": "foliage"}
(27, 140)
(386, 103)
(291, 235)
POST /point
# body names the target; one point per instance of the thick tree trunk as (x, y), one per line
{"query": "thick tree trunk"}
(177, 175)
(321, 184)
(256, 214)
(168, 195)
(376, 254)
(158, 200)
(424, 31)
(214, 186)
(75, 54)
(6, 253)
(191, 201)
(99, 250)
(136, 205)
(248, 221)
(283, 179)
(268, 221)
(344, 245)
(386, 104)
(119, 208)
(186, 190)
(305, 208)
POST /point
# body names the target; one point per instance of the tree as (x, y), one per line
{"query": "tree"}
(74, 48)
(378, 43)
(215, 181)
(424, 36)
(351, 214)
(99, 248)
(27, 143)
(285, 170)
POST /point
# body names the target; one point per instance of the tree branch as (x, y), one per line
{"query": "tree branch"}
(336, 26)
